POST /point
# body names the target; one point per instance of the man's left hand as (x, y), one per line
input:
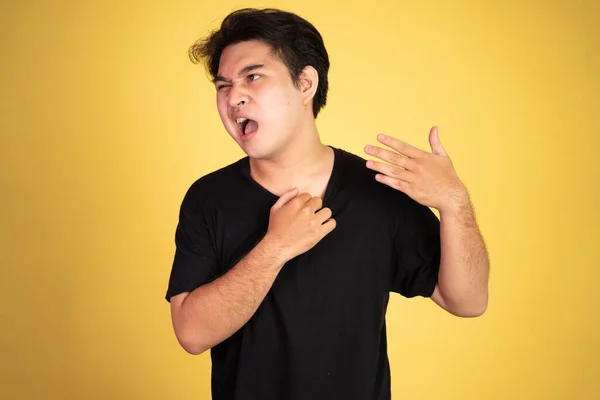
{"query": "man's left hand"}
(428, 178)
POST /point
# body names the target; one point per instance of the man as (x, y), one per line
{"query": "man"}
(285, 259)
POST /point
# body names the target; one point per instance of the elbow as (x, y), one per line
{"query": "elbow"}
(191, 339)
(195, 350)
(192, 345)
(189, 332)
(467, 306)
(472, 309)
(470, 313)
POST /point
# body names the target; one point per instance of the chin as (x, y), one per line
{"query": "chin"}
(258, 147)
(260, 151)
(257, 153)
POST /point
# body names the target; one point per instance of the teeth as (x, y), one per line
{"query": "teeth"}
(241, 120)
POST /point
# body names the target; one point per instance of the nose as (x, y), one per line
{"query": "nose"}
(237, 95)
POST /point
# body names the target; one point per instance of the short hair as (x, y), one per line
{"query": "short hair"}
(294, 41)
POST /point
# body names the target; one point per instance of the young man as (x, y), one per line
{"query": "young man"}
(285, 259)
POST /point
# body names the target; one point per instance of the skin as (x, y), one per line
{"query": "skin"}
(430, 179)
(287, 158)
(286, 151)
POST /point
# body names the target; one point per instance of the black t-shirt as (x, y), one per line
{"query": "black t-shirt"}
(320, 332)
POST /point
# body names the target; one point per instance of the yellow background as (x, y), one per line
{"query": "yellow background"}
(105, 123)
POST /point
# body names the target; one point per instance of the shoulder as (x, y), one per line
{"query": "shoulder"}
(393, 203)
(354, 172)
(361, 179)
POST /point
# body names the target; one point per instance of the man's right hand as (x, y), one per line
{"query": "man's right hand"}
(295, 225)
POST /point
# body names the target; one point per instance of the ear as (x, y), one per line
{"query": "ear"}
(308, 83)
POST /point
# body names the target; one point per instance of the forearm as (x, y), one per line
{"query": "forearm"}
(215, 311)
(464, 268)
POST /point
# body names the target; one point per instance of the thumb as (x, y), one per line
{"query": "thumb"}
(285, 198)
(434, 141)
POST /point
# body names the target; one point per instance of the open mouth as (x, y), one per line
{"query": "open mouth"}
(246, 126)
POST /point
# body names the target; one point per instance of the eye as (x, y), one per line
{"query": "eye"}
(253, 77)
(219, 87)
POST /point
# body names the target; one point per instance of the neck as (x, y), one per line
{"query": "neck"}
(298, 162)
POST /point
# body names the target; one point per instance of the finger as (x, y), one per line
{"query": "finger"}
(401, 146)
(391, 171)
(302, 198)
(314, 204)
(434, 141)
(397, 184)
(329, 226)
(285, 198)
(323, 214)
(392, 157)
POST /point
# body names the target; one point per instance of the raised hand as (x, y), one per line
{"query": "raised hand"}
(428, 178)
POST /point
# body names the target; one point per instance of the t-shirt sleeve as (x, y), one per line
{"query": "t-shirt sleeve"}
(416, 250)
(195, 262)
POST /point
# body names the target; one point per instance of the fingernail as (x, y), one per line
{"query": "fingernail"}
(381, 137)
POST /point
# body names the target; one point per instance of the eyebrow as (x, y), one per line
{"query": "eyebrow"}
(244, 70)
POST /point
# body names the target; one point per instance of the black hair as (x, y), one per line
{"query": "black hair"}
(294, 41)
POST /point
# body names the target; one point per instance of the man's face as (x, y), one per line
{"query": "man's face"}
(257, 101)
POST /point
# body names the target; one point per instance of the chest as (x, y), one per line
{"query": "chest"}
(350, 264)
(347, 270)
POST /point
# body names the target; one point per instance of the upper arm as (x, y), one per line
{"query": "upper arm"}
(176, 312)
(184, 332)
(417, 250)
(195, 261)
(438, 298)
(176, 302)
